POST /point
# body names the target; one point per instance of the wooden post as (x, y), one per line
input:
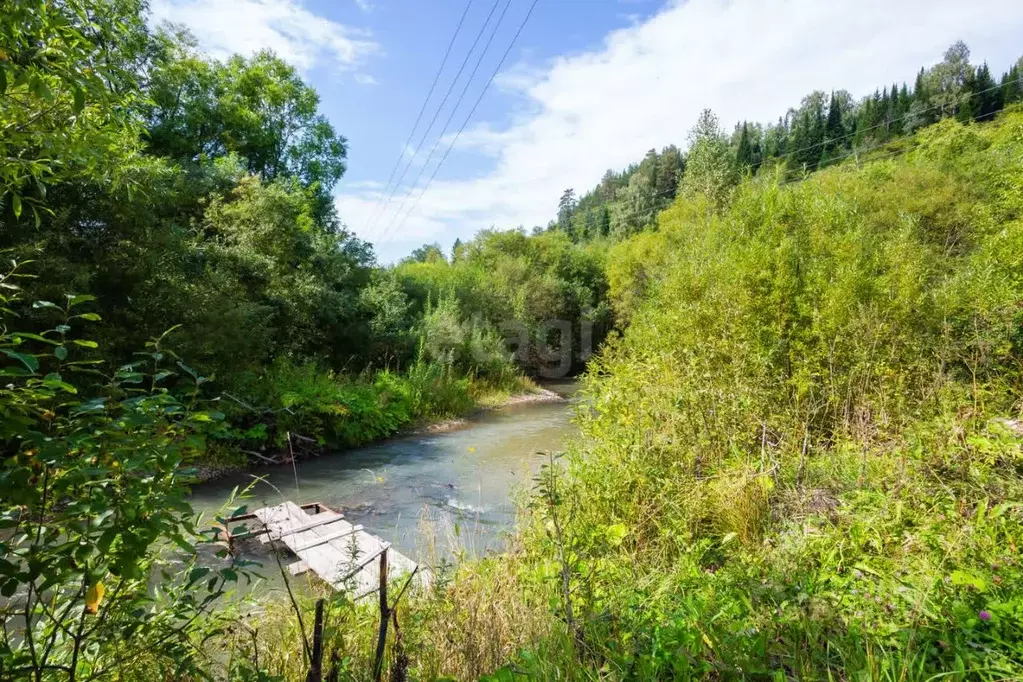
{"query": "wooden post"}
(316, 665)
(378, 665)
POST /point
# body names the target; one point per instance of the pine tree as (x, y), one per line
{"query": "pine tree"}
(1012, 84)
(566, 207)
(834, 131)
(744, 156)
(987, 95)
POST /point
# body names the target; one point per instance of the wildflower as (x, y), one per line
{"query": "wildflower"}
(984, 616)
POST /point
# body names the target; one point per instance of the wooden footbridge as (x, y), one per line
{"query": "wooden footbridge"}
(343, 555)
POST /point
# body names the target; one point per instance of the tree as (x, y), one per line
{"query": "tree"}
(986, 93)
(566, 208)
(747, 152)
(710, 168)
(427, 253)
(66, 90)
(948, 80)
(834, 130)
(635, 208)
(257, 107)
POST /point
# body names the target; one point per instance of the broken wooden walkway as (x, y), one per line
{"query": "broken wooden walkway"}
(341, 554)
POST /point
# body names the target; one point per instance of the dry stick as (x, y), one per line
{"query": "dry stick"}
(316, 667)
(291, 596)
(294, 468)
(378, 662)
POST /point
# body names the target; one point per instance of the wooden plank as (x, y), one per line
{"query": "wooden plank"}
(309, 526)
(339, 553)
(323, 539)
(282, 521)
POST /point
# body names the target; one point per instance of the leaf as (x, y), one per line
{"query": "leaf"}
(85, 344)
(197, 574)
(72, 301)
(79, 98)
(616, 533)
(93, 597)
(91, 317)
(94, 405)
(16, 205)
(969, 579)
(60, 352)
(30, 362)
(188, 369)
(45, 304)
(35, 337)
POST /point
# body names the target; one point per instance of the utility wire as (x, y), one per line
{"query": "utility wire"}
(447, 123)
(440, 108)
(422, 109)
(471, 112)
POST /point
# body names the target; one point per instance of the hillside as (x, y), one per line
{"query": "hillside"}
(799, 460)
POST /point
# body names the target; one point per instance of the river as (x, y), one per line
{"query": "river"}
(432, 496)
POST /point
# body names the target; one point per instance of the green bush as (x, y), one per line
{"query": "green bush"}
(93, 506)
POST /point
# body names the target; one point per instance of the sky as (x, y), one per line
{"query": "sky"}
(586, 85)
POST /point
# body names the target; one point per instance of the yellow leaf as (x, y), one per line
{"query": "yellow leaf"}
(93, 596)
(472, 449)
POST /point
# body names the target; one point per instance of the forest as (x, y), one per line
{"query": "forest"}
(799, 451)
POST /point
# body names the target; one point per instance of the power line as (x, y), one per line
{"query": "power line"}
(447, 123)
(471, 112)
(454, 109)
(440, 108)
(426, 101)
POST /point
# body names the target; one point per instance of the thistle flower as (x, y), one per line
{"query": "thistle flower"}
(984, 616)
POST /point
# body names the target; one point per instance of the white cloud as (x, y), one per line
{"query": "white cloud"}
(746, 59)
(226, 27)
(365, 79)
(364, 5)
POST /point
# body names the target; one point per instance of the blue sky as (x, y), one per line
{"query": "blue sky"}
(589, 84)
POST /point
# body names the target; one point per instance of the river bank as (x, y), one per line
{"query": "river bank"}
(209, 471)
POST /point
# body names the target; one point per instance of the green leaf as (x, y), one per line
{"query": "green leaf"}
(94, 405)
(29, 361)
(616, 533)
(197, 574)
(85, 343)
(3, 81)
(91, 317)
(188, 369)
(60, 352)
(969, 579)
(35, 337)
(16, 205)
(80, 298)
(79, 97)
(45, 304)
